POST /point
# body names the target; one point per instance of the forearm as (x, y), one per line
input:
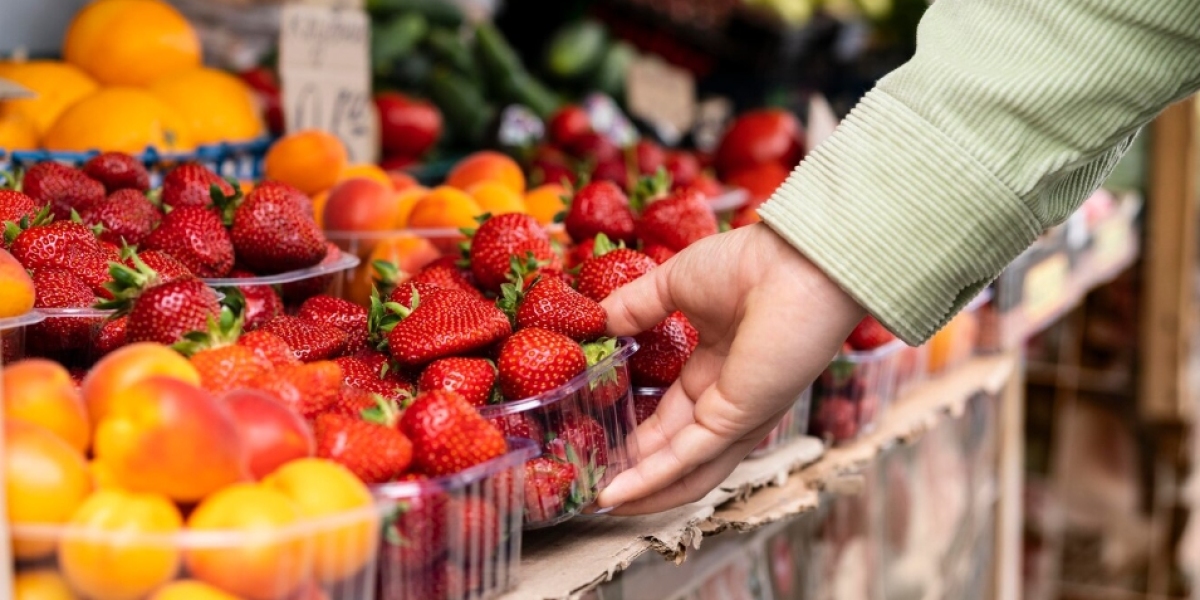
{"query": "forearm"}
(1009, 116)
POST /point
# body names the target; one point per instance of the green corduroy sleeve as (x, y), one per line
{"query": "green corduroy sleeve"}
(1009, 115)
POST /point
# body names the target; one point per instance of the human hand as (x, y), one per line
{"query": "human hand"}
(769, 323)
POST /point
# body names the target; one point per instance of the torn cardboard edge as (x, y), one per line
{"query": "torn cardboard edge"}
(576, 557)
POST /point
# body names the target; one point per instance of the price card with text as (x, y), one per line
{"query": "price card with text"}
(1045, 288)
(1111, 243)
(661, 93)
(324, 66)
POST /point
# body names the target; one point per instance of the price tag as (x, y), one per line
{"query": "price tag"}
(1045, 288)
(324, 66)
(662, 94)
(1110, 242)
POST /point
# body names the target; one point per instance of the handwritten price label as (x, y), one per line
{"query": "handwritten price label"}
(1045, 288)
(661, 94)
(324, 65)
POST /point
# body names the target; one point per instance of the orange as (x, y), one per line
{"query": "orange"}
(444, 207)
(216, 106)
(309, 160)
(41, 584)
(41, 392)
(16, 287)
(17, 131)
(265, 558)
(58, 86)
(125, 548)
(45, 480)
(119, 370)
(496, 198)
(191, 590)
(326, 490)
(119, 119)
(131, 42)
(487, 165)
(367, 171)
(545, 202)
(406, 199)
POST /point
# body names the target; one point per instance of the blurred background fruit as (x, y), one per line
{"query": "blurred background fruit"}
(131, 42)
(122, 119)
(45, 480)
(310, 160)
(216, 106)
(41, 584)
(58, 85)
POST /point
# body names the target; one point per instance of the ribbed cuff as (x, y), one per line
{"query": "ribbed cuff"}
(902, 218)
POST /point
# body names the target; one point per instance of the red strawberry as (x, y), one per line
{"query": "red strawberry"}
(610, 269)
(551, 304)
(445, 322)
(535, 360)
(262, 301)
(406, 293)
(662, 352)
(415, 538)
(118, 171)
(659, 253)
(581, 252)
(650, 157)
(64, 188)
(869, 334)
(195, 237)
(600, 207)
(112, 336)
(644, 406)
(374, 451)
(351, 401)
(367, 375)
(309, 389)
(62, 244)
(548, 486)
(110, 251)
(190, 184)
(473, 378)
(682, 167)
(59, 288)
(127, 217)
(677, 221)
(614, 171)
(595, 147)
(445, 272)
(163, 312)
(164, 264)
(274, 231)
(15, 206)
(269, 347)
(520, 425)
(568, 124)
(580, 440)
(298, 291)
(309, 341)
(448, 434)
(343, 314)
(478, 528)
(609, 386)
(501, 238)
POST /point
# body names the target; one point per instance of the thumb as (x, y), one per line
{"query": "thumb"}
(642, 303)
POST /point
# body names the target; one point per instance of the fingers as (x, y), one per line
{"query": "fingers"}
(691, 487)
(640, 304)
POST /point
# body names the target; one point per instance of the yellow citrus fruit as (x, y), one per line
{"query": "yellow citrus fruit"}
(497, 198)
(58, 85)
(119, 119)
(545, 202)
(217, 106)
(41, 584)
(17, 131)
(131, 42)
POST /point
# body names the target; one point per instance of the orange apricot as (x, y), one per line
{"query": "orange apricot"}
(45, 481)
(487, 165)
(126, 366)
(41, 392)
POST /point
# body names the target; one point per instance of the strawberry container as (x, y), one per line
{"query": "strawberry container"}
(584, 427)
(297, 286)
(791, 427)
(12, 335)
(120, 553)
(853, 392)
(455, 537)
(912, 367)
(959, 339)
(70, 336)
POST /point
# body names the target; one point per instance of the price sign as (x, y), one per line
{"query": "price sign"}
(662, 94)
(1045, 288)
(1111, 241)
(324, 66)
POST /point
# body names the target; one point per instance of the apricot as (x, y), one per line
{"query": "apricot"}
(124, 549)
(487, 165)
(271, 560)
(497, 198)
(16, 287)
(41, 392)
(126, 366)
(367, 171)
(444, 207)
(402, 181)
(405, 200)
(407, 252)
(310, 160)
(169, 437)
(45, 480)
(545, 202)
(360, 205)
(191, 590)
(41, 584)
(272, 433)
(324, 490)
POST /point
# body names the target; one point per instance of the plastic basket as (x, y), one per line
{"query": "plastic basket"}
(455, 537)
(12, 335)
(853, 392)
(301, 284)
(585, 423)
(912, 367)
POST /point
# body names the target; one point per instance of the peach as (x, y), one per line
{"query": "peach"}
(360, 205)
(402, 181)
(128, 365)
(45, 481)
(169, 437)
(16, 287)
(41, 392)
(272, 433)
(405, 200)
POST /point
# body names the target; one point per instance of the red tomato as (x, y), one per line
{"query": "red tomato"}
(758, 137)
(407, 126)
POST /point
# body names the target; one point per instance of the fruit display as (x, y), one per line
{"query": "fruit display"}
(852, 393)
(960, 338)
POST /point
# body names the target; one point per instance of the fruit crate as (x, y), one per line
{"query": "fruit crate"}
(585, 429)
(455, 537)
(334, 557)
(960, 338)
(242, 160)
(853, 393)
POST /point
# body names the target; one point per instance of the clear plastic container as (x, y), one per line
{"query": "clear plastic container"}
(455, 537)
(66, 335)
(585, 426)
(333, 557)
(853, 392)
(12, 335)
(791, 427)
(912, 367)
(299, 285)
(960, 338)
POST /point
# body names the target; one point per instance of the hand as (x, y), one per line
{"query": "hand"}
(769, 323)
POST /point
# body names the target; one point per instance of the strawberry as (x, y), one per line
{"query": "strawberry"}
(164, 312)
(594, 146)
(581, 252)
(548, 486)
(365, 374)
(415, 537)
(262, 301)
(869, 334)
(448, 434)
(309, 341)
(343, 314)
(473, 378)
(309, 389)
(615, 171)
(273, 231)
(15, 206)
(405, 294)
(190, 184)
(662, 352)
(167, 267)
(64, 189)
(500, 238)
(127, 217)
(478, 528)
(222, 364)
(443, 322)
(535, 360)
(677, 221)
(368, 446)
(59, 288)
(520, 425)
(683, 167)
(658, 252)
(609, 386)
(581, 441)
(644, 406)
(196, 237)
(600, 207)
(611, 268)
(650, 157)
(445, 272)
(351, 401)
(110, 251)
(43, 243)
(118, 171)
(111, 336)
(269, 347)
(549, 303)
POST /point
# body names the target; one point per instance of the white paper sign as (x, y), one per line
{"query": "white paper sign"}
(324, 66)
(661, 93)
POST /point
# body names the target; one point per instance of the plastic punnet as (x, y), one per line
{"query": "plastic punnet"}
(853, 392)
